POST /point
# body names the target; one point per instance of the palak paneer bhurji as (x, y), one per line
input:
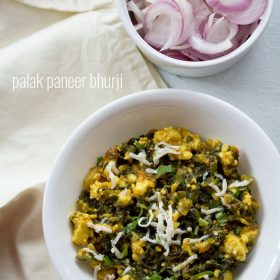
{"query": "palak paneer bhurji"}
(166, 205)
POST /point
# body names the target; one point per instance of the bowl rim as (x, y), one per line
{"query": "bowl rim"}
(133, 99)
(142, 44)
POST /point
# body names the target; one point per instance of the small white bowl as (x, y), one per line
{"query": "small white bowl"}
(189, 68)
(136, 114)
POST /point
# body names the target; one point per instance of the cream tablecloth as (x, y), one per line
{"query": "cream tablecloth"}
(34, 122)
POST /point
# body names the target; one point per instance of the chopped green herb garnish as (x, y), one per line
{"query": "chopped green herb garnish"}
(125, 250)
(138, 146)
(163, 169)
(194, 195)
(131, 226)
(154, 276)
(222, 218)
(237, 193)
(195, 232)
(107, 261)
(202, 275)
(238, 230)
(142, 206)
(86, 257)
(202, 222)
(99, 161)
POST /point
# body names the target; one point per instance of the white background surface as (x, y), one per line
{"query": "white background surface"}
(252, 85)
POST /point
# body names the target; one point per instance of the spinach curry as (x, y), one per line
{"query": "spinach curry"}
(167, 205)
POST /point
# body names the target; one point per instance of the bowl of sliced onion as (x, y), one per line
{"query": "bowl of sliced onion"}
(195, 37)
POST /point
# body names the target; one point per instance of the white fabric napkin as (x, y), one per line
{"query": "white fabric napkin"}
(34, 122)
(18, 21)
(67, 5)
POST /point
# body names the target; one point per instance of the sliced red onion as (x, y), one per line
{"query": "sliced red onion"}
(196, 30)
(173, 3)
(163, 25)
(148, 2)
(229, 6)
(200, 11)
(199, 7)
(181, 47)
(205, 29)
(186, 11)
(221, 30)
(175, 54)
(138, 26)
(194, 55)
(140, 3)
(245, 32)
(187, 14)
(139, 16)
(249, 15)
(205, 47)
(218, 36)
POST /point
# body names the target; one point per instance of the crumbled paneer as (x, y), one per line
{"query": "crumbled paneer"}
(107, 274)
(137, 246)
(213, 143)
(82, 206)
(169, 135)
(117, 227)
(131, 178)
(203, 159)
(124, 198)
(184, 206)
(184, 153)
(235, 247)
(179, 137)
(93, 175)
(81, 231)
(249, 234)
(204, 246)
(121, 181)
(243, 221)
(229, 158)
(228, 275)
(186, 246)
(176, 215)
(143, 183)
(143, 140)
(247, 199)
(174, 187)
(218, 274)
(141, 187)
(96, 189)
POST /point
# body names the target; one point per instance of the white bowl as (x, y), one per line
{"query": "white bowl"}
(189, 68)
(137, 114)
